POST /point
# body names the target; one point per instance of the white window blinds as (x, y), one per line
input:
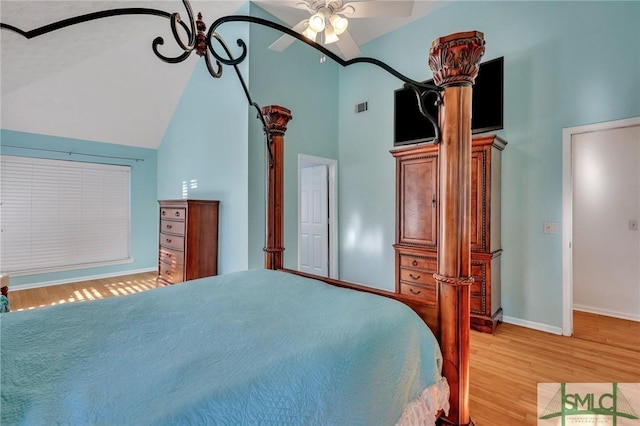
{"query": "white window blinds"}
(61, 215)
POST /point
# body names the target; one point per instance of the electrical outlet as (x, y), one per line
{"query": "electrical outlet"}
(633, 225)
(551, 227)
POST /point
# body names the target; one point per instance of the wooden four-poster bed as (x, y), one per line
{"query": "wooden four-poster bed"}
(173, 377)
(454, 60)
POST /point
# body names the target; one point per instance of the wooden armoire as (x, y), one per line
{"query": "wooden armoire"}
(417, 224)
(188, 242)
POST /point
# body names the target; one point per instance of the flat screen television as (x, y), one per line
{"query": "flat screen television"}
(411, 127)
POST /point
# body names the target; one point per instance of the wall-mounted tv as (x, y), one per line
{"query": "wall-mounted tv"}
(411, 127)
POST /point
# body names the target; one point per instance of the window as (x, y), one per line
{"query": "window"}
(61, 215)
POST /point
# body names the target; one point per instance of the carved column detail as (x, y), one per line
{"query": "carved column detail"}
(454, 60)
(276, 118)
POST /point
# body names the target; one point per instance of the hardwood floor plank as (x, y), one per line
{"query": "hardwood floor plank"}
(506, 366)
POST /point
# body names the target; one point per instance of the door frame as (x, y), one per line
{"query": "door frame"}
(332, 166)
(567, 210)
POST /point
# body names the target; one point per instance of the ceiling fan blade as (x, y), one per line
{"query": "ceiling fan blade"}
(348, 46)
(283, 42)
(304, 5)
(378, 9)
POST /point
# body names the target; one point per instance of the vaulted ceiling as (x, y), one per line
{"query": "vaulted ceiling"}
(101, 81)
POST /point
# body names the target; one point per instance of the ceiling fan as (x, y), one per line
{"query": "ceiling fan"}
(330, 18)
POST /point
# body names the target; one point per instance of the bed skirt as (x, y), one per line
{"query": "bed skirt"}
(423, 410)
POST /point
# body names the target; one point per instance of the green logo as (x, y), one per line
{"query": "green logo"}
(596, 403)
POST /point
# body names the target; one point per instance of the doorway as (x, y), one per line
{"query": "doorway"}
(601, 205)
(318, 216)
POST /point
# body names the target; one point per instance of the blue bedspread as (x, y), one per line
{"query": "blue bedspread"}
(253, 347)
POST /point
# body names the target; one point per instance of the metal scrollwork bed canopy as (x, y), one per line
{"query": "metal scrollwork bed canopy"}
(454, 61)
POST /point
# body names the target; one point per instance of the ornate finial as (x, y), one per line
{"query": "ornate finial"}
(276, 118)
(454, 58)
(201, 37)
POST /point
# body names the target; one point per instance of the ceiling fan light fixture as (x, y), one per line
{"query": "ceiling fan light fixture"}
(330, 36)
(310, 34)
(339, 24)
(316, 22)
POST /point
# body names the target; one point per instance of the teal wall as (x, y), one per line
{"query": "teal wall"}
(203, 154)
(297, 80)
(566, 64)
(367, 176)
(144, 222)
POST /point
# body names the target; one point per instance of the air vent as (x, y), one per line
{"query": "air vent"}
(362, 107)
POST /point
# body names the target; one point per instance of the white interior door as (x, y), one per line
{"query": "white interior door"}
(606, 212)
(314, 226)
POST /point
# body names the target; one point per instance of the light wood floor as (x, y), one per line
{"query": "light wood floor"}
(81, 291)
(505, 367)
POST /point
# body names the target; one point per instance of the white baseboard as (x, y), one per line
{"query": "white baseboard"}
(531, 324)
(605, 312)
(77, 279)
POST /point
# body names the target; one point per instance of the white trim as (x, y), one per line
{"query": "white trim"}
(567, 211)
(66, 268)
(333, 208)
(534, 325)
(567, 234)
(607, 313)
(78, 279)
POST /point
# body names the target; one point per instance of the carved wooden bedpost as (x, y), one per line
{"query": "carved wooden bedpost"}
(454, 61)
(277, 118)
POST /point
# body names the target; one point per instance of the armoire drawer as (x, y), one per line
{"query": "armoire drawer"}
(172, 257)
(426, 294)
(175, 214)
(170, 273)
(172, 241)
(415, 276)
(417, 262)
(172, 227)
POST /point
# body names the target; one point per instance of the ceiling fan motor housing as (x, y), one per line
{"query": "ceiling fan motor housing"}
(326, 7)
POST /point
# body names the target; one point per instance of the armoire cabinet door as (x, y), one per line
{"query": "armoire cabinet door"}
(417, 201)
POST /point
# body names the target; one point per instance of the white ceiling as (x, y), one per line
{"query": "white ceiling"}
(101, 81)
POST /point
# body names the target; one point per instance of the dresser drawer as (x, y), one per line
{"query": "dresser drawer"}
(171, 256)
(172, 241)
(416, 262)
(172, 227)
(170, 273)
(175, 214)
(414, 276)
(426, 294)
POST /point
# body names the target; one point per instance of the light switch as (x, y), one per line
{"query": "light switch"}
(551, 227)
(633, 225)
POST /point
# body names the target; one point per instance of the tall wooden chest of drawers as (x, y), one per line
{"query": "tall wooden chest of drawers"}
(188, 245)
(417, 226)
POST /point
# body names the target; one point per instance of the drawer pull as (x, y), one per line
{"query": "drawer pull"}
(414, 277)
(168, 255)
(177, 214)
(164, 213)
(169, 226)
(168, 240)
(414, 291)
(168, 273)
(414, 263)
